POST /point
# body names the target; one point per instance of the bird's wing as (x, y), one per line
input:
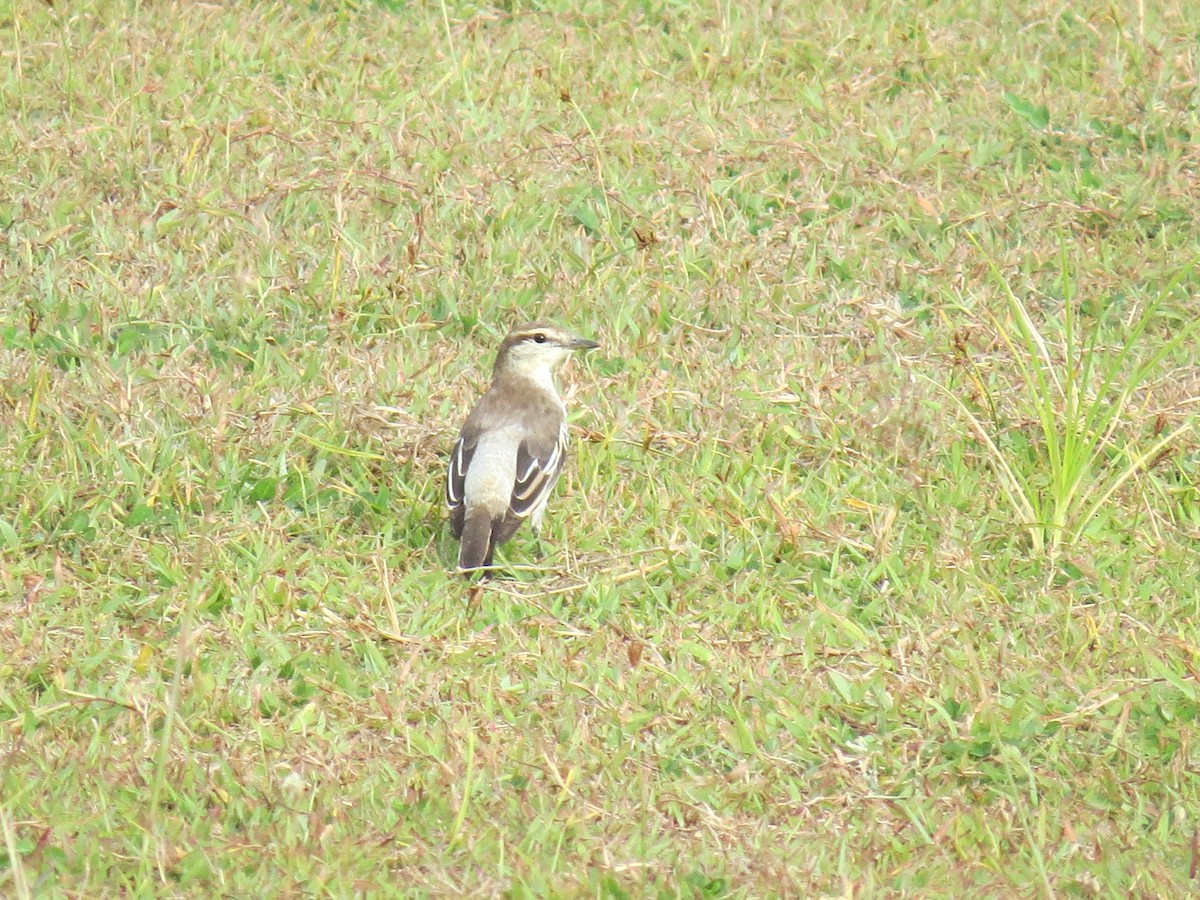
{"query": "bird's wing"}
(456, 476)
(538, 463)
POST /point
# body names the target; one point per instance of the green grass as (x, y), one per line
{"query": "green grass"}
(788, 633)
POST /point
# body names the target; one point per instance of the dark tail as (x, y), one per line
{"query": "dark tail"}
(476, 549)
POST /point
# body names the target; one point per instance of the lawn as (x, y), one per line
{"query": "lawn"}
(874, 568)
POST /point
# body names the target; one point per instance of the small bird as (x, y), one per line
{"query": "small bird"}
(512, 447)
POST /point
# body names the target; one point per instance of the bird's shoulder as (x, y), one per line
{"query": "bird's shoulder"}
(531, 413)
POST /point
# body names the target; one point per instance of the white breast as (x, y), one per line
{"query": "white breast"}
(493, 470)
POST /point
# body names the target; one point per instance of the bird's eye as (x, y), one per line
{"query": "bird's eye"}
(539, 338)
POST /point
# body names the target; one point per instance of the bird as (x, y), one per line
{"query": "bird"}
(512, 446)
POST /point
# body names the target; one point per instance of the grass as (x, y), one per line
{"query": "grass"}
(1078, 397)
(789, 635)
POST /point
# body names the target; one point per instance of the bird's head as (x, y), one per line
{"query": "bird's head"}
(536, 349)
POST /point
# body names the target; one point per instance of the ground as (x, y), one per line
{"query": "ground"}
(873, 571)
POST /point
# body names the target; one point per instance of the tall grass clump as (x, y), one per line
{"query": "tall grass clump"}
(1081, 393)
